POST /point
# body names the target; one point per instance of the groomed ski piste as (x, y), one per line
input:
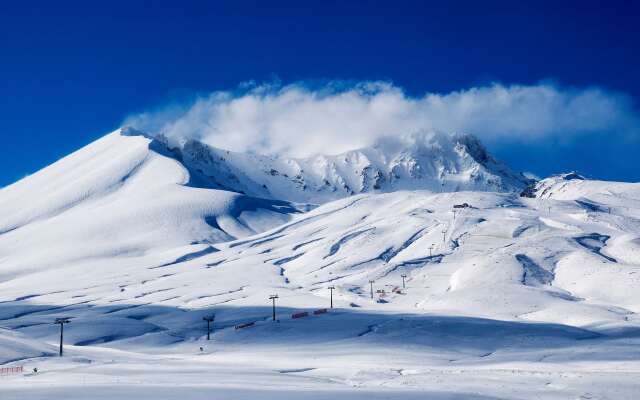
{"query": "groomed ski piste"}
(505, 297)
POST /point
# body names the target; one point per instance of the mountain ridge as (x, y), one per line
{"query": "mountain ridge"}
(426, 161)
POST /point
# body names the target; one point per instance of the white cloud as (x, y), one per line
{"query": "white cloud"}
(295, 120)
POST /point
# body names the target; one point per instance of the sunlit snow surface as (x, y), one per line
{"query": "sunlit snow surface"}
(508, 298)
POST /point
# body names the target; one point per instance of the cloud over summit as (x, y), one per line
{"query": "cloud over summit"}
(296, 120)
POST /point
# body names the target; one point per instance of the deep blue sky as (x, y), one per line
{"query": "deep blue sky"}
(71, 71)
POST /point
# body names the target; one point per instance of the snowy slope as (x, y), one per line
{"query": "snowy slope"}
(524, 297)
(572, 186)
(504, 257)
(15, 347)
(119, 197)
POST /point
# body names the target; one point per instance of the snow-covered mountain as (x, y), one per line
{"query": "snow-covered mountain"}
(427, 161)
(138, 239)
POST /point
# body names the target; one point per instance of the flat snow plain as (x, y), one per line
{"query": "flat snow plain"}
(510, 298)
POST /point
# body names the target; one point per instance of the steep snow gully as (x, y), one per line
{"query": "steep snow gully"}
(438, 268)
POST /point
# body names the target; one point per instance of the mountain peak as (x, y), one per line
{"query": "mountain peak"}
(131, 131)
(474, 148)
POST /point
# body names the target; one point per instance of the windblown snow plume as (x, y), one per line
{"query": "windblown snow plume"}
(299, 121)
